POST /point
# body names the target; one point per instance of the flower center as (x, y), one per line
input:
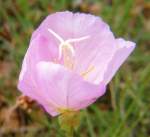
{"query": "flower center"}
(66, 48)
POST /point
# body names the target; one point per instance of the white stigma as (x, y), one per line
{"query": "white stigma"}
(66, 43)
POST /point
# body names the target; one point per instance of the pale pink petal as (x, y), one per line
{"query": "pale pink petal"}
(96, 51)
(124, 49)
(60, 23)
(65, 89)
(29, 87)
(40, 49)
(82, 93)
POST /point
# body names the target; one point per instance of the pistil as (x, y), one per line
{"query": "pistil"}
(66, 48)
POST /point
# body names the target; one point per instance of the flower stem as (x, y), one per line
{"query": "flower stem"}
(70, 133)
(69, 122)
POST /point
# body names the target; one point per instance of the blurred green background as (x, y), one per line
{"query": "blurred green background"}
(124, 111)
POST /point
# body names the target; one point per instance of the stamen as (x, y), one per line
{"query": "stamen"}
(77, 39)
(68, 60)
(89, 70)
(65, 44)
(56, 35)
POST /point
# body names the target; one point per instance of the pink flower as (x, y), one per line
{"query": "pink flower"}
(70, 60)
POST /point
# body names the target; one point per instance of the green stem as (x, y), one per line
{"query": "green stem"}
(70, 133)
(69, 122)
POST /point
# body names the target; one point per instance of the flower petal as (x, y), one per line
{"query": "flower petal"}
(82, 93)
(124, 49)
(96, 51)
(60, 23)
(40, 49)
(28, 86)
(65, 88)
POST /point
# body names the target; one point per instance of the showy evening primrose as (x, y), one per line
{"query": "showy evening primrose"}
(70, 60)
